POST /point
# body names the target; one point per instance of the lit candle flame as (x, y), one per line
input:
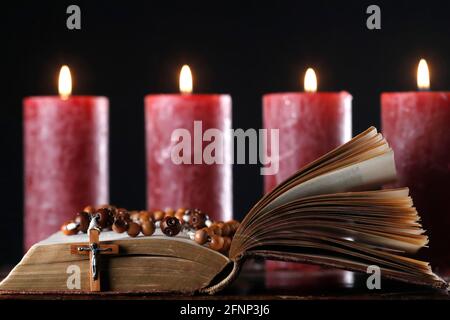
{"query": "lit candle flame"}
(423, 75)
(65, 82)
(310, 83)
(185, 80)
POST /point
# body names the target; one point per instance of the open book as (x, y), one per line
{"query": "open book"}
(322, 215)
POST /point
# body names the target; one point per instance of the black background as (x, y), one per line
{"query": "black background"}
(127, 49)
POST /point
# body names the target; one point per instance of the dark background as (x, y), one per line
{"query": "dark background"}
(128, 49)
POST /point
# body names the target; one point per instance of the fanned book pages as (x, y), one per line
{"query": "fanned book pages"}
(324, 214)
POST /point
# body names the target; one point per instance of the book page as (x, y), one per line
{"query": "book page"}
(360, 176)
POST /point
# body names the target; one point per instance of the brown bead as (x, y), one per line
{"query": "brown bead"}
(179, 214)
(134, 216)
(170, 226)
(148, 228)
(112, 209)
(180, 211)
(123, 214)
(89, 209)
(110, 221)
(107, 206)
(226, 230)
(158, 215)
(120, 226)
(197, 219)
(82, 220)
(69, 228)
(170, 212)
(234, 225)
(231, 227)
(201, 236)
(215, 229)
(226, 244)
(133, 229)
(216, 243)
(209, 231)
(219, 224)
(117, 210)
(104, 217)
(144, 216)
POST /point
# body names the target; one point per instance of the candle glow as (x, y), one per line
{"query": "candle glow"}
(65, 82)
(185, 80)
(423, 75)
(310, 82)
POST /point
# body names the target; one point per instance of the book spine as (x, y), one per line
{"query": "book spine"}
(225, 282)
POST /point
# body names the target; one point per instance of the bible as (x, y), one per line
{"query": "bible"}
(329, 213)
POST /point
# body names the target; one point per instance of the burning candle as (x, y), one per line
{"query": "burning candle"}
(194, 183)
(65, 155)
(310, 124)
(417, 126)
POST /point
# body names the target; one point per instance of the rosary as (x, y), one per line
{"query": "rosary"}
(198, 226)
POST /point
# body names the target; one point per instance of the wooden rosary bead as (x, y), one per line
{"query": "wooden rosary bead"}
(103, 217)
(169, 212)
(112, 214)
(225, 228)
(231, 227)
(120, 226)
(197, 219)
(215, 229)
(234, 225)
(106, 206)
(216, 243)
(226, 244)
(123, 214)
(89, 209)
(148, 228)
(112, 209)
(133, 229)
(208, 231)
(201, 236)
(179, 214)
(82, 220)
(69, 228)
(134, 216)
(158, 215)
(144, 216)
(170, 226)
(117, 211)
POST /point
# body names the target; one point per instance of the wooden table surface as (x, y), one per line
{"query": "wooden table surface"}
(255, 284)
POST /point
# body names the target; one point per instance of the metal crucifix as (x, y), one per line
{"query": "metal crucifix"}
(94, 249)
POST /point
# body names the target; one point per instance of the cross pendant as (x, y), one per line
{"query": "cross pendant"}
(94, 249)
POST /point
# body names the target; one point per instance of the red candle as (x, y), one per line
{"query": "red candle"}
(417, 126)
(310, 124)
(193, 183)
(66, 158)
